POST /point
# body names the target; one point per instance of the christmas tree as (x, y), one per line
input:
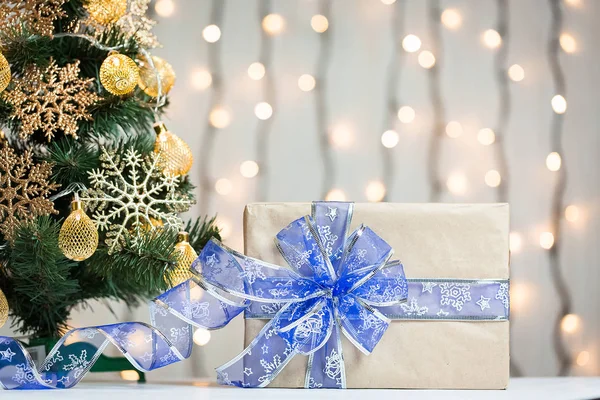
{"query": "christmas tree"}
(80, 104)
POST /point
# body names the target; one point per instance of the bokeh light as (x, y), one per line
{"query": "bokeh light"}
(164, 8)
(553, 161)
(493, 178)
(273, 24)
(335, 195)
(426, 59)
(219, 117)
(389, 139)
(568, 43)
(249, 169)
(570, 323)
(491, 39)
(559, 104)
(457, 183)
(546, 240)
(516, 73)
(201, 337)
(201, 79)
(486, 136)
(223, 186)
(306, 82)
(406, 114)
(411, 43)
(256, 71)
(454, 129)
(263, 110)
(375, 191)
(319, 23)
(451, 19)
(211, 33)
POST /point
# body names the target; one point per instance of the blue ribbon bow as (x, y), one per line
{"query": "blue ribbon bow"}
(321, 296)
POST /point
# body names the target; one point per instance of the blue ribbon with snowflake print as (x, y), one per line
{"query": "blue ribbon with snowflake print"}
(337, 283)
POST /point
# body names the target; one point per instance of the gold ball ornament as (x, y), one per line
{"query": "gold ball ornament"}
(186, 256)
(148, 81)
(176, 156)
(4, 73)
(119, 74)
(106, 11)
(78, 237)
(3, 309)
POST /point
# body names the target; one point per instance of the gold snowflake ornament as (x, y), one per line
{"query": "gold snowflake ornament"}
(51, 100)
(128, 193)
(37, 15)
(137, 25)
(24, 188)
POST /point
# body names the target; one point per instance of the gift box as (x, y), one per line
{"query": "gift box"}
(436, 243)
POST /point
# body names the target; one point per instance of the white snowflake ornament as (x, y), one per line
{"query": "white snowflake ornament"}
(130, 193)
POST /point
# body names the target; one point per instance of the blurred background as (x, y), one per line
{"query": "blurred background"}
(402, 101)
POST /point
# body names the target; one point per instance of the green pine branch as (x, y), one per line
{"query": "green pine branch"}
(40, 287)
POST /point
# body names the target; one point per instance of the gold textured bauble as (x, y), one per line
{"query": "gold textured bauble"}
(119, 74)
(3, 309)
(185, 256)
(148, 82)
(176, 156)
(4, 73)
(78, 237)
(106, 11)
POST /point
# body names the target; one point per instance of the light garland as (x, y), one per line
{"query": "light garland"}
(389, 137)
(556, 163)
(218, 116)
(321, 108)
(272, 25)
(439, 112)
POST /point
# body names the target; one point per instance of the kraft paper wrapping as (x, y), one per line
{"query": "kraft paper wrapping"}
(464, 241)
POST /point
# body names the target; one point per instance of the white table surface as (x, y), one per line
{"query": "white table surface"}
(519, 388)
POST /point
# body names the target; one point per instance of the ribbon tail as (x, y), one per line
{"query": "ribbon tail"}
(260, 362)
(326, 368)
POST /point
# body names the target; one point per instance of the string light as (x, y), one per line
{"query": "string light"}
(568, 43)
(583, 358)
(515, 242)
(499, 178)
(201, 79)
(321, 103)
(457, 183)
(211, 33)
(426, 59)
(306, 82)
(546, 240)
(572, 213)
(493, 178)
(341, 137)
(559, 104)
(438, 110)
(451, 19)
(263, 111)
(256, 71)
(130, 375)
(319, 23)
(570, 323)
(388, 2)
(406, 114)
(219, 117)
(553, 161)
(375, 191)
(454, 129)
(164, 8)
(249, 169)
(223, 186)
(335, 195)
(389, 139)
(486, 136)
(563, 353)
(273, 24)
(201, 337)
(574, 3)
(411, 43)
(492, 39)
(516, 73)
